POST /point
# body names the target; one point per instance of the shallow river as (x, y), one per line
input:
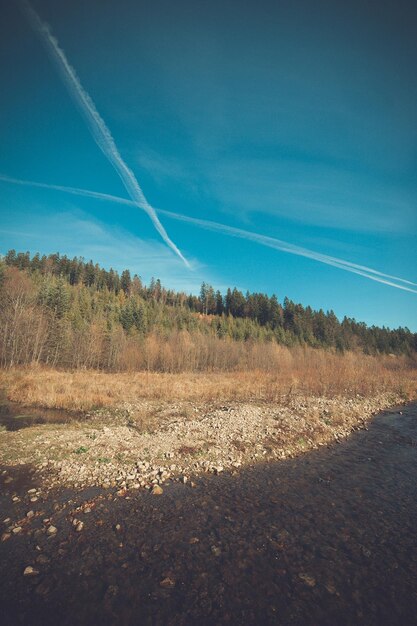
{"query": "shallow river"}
(328, 538)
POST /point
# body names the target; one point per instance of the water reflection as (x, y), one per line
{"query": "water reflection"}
(14, 416)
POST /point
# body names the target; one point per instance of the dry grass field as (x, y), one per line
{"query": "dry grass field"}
(203, 421)
(305, 370)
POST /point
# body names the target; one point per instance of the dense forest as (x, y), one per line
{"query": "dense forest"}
(73, 313)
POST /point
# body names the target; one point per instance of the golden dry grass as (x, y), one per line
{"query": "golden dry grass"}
(307, 371)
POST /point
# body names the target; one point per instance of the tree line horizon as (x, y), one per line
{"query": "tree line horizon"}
(75, 293)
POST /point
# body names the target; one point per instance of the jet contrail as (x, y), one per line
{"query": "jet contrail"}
(271, 242)
(95, 122)
(284, 246)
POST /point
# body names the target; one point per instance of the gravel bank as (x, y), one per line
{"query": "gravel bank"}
(149, 443)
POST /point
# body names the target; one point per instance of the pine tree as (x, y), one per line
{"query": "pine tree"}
(125, 281)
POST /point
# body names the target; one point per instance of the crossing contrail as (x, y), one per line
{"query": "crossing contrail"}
(264, 240)
(95, 122)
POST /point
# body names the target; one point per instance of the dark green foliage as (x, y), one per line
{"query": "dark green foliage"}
(126, 282)
(82, 293)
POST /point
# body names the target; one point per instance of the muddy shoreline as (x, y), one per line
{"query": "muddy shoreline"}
(325, 538)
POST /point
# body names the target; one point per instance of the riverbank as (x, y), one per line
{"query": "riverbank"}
(147, 443)
(87, 428)
(324, 538)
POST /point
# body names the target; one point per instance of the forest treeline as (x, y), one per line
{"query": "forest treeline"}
(72, 313)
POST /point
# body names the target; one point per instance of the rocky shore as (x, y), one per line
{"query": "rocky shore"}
(326, 537)
(145, 444)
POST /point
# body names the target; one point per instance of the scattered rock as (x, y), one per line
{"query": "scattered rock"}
(309, 580)
(42, 559)
(228, 436)
(16, 530)
(79, 527)
(157, 490)
(51, 531)
(30, 571)
(5, 536)
(216, 551)
(111, 592)
(331, 588)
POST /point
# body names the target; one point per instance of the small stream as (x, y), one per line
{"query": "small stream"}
(328, 538)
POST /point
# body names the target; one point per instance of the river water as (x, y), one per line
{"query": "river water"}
(14, 416)
(328, 538)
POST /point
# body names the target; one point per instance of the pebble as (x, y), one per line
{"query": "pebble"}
(17, 530)
(242, 423)
(52, 530)
(167, 583)
(42, 559)
(30, 514)
(5, 536)
(216, 550)
(157, 490)
(30, 571)
(112, 591)
(309, 580)
(79, 527)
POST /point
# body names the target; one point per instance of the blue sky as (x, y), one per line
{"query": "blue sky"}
(291, 120)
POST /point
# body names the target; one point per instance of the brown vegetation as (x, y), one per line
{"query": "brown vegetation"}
(271, 373)
(45, 320)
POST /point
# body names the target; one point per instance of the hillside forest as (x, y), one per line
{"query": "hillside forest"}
(74, 314)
